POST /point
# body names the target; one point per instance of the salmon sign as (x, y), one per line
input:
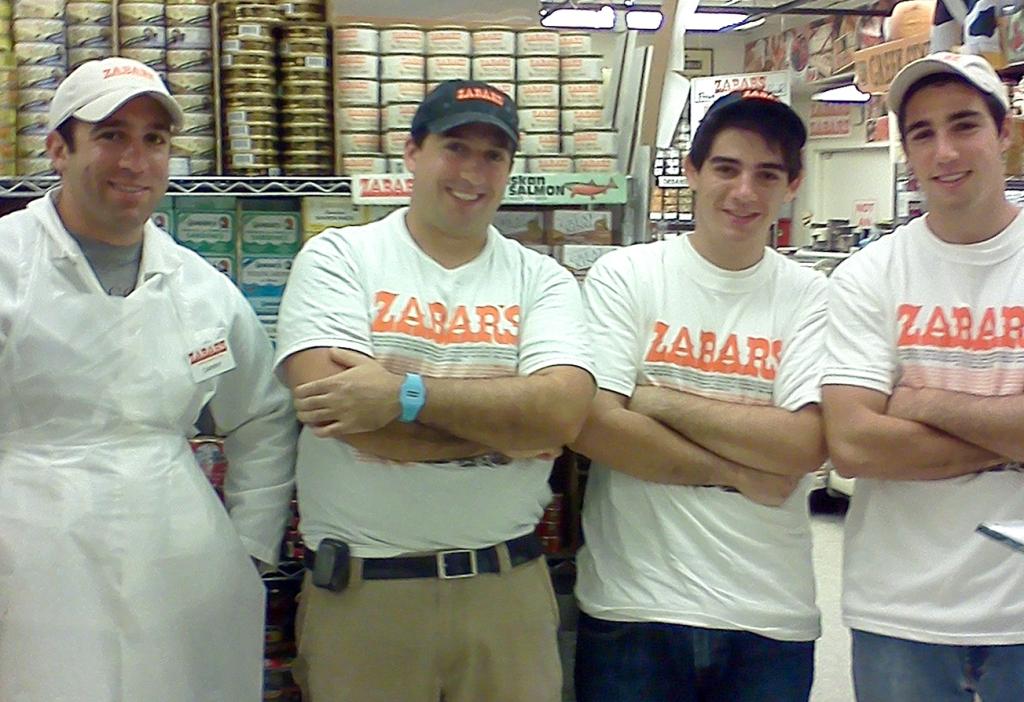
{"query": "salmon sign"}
(522, 189)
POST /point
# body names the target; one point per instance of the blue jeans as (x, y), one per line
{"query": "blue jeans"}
(653, 662)
(887, 669)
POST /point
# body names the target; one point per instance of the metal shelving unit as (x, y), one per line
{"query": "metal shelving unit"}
(207, 185)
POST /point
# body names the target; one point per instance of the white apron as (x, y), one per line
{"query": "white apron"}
(121, 577)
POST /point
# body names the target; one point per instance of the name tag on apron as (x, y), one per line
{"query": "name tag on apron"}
(211, 358)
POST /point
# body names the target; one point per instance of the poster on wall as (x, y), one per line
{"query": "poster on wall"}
(704, 91)
(830, 120)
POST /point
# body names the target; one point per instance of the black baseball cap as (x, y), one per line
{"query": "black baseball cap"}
(756, 105)
(458, 102)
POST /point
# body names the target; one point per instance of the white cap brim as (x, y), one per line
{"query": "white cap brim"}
(927, 66)
(106, 105)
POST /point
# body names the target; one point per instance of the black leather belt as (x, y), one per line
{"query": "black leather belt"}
(455, 563)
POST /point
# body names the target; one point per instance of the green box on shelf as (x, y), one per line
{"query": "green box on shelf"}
(270, 227)
(206, 224)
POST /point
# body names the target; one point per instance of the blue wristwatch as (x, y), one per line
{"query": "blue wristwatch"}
(412, 395)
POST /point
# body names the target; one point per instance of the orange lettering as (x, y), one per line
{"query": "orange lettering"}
(1013, 326)
(758, 350)
(682, 350)
(729, 356)
(458, 327)
(438, 321)
(382, 322)
(906, 315)
(937, 329)
(411, 320)
(512, 317)
(708, 344)
(657, 353)
(962, 325)
(986, 337)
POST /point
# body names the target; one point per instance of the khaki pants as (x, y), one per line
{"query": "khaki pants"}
(488, 638)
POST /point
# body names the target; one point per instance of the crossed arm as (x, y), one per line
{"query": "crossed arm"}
(920, 433)
(350, 397)
(620, 433)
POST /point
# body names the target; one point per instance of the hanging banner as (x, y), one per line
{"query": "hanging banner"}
(829, 120)
(876, 67)
(522, 189)
(704, 91)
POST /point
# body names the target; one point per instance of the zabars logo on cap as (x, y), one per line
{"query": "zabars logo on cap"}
(480, 94)
(139, 71)
(758, 94)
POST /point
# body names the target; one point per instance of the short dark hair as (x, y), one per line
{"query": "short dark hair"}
(995, 107)
(773, 132)
(66, 129)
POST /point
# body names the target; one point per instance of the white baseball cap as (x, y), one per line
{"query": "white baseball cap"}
(96, 89)
(972, 68)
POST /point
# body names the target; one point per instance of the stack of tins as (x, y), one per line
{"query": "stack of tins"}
(90, 32)
(403, 66)
(249, 88)
(8, 94)
(494, 62)
(40, 64)
(537, 69)
(357, 100)
(307, 134)
(190, 80)
(303, 10)
(142, 34)
(586, 124)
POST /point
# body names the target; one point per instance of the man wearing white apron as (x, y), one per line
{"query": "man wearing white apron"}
(122, 578)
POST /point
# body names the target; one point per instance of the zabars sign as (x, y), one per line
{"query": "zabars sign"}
(876, 67)
(523, 188)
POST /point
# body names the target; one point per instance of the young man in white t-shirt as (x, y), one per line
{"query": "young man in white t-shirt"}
(923, 403)
(437, 367)
(695, 582)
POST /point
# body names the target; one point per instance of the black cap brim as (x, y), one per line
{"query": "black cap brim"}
(756, 108)
(458, 119)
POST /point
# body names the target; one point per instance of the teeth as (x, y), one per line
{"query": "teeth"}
(465, 197)
(128, 189)
(950, 178)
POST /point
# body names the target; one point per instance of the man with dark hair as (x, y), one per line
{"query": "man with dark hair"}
(923, 397)
(121, 575)
(695, 582)
(437, 367)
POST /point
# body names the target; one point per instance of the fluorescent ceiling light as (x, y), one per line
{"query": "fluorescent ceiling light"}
(717, 21)
(579, 18)
(844, 93)
(644, 20)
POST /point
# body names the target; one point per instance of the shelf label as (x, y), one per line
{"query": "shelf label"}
(523, 188)
(672, 181)
(863, 213)
(382, 189)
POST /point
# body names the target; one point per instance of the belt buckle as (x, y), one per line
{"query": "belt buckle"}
(442, 564)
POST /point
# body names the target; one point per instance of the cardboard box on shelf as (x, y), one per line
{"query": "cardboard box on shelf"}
(579, 227)
(323, 212)
(262, 280)
(206, 224)
(269, 228)
(578, 258)
(525, 226)
(225, 263)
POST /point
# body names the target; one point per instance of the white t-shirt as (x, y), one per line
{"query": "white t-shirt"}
(912, 309)
(660, 314)
(508, 312)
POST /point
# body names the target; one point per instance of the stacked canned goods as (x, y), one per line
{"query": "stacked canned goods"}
(142, 34)
(41, 64)
(190, 80)
(8, 94)
(302, 10)
(586, 129)
(90, 32)
(537, 95)
(357, 97)
(307, 134)
(249, 88)
(403, 68)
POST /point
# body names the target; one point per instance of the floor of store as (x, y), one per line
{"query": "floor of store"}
(832, 669)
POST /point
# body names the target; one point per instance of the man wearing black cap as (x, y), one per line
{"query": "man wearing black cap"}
(437, 368)
(695, 582)
(923, 392)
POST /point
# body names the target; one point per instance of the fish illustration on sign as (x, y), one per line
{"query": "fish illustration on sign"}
(590, 189)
